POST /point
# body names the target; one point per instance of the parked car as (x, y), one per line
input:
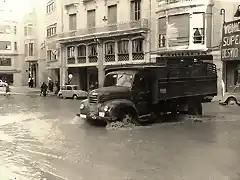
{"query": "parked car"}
(232, 97)
(2, 83)
(72, 91)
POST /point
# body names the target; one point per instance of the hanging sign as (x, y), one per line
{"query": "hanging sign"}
(230, 48)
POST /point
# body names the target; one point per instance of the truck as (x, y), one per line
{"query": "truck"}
(136, 93)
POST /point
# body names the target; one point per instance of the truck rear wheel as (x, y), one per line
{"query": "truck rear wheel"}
(194, 107)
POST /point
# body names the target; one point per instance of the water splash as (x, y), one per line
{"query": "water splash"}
(122, 125)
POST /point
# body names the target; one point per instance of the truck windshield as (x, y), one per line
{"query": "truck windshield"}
(122, 79)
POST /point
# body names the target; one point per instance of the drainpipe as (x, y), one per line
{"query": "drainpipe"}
(150, 32)
(62, 63)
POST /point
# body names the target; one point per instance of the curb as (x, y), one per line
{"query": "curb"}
(24, 94)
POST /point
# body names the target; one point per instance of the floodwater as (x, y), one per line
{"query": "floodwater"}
(41, 138)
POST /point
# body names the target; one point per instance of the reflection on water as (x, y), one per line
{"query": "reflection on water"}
(42, 139)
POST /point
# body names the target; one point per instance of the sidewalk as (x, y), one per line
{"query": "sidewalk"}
(23, 90)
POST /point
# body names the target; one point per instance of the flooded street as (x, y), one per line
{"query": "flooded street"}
(40, 138)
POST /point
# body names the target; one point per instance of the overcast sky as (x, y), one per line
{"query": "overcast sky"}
(18, 7)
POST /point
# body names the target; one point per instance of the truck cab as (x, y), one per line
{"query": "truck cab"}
(126, 92)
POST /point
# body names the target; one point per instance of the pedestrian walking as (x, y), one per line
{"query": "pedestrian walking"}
(8, 90)
(31, 83)
(29, 80)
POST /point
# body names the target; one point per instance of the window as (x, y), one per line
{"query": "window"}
(5, 29)
(162, 32)
(178, 30)
(50, 7)
(197, 22)
(75, 88)
(69, 88)
(110, 48)
(198, 35)
(92, 50)
(81, 51)
(5, 45)
(5, 62)
(30, 49)
(49, 55)
(26, 49)
(15, 29)
(112, 14)
(135, 10)
(70, 52)
(15, 46)
(120, 79)
(123, 47)
(72, 22)
(137, 46)
(91, 18)
(25, 31)
(52, 30)
(28, 29)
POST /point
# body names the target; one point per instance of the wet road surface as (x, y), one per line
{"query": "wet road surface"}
(40, 138)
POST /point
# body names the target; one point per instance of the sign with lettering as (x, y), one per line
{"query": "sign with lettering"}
(230, 49)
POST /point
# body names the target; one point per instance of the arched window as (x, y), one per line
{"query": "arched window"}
(81, 51)
(123, 47)
(92, 50)
(110, 48)
(70, 51)
(137, 45)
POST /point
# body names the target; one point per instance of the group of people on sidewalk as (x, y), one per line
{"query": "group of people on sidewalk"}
(50, 86)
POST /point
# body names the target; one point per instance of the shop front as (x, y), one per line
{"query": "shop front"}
(84, 77)
(230, 54)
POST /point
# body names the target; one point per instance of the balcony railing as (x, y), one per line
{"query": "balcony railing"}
(131, 25)
(163, 2)
(70, 2)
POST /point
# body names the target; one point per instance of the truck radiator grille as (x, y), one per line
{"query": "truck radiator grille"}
(93, 99)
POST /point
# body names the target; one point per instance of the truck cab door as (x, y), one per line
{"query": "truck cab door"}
(141, 94)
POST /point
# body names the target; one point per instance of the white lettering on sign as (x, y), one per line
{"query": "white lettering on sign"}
(230, 53)
(232, 28)
(231, 40)
(230, 48)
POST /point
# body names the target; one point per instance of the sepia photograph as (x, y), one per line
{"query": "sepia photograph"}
(119, 89)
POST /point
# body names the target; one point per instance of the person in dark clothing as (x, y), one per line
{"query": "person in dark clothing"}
(31, 83)
(44, 88)
(57, 87)
(50, 85)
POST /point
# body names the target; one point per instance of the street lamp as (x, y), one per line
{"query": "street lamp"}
(222, 13)
(237, 14)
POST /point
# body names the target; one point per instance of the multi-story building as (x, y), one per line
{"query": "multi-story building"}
(33, 44)
(103, 33)
(192, 29)
(11, 61)
(53, 26)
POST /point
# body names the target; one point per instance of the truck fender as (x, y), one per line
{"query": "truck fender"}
(115, 107)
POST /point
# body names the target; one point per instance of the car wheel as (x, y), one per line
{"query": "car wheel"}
(75, 97)
(60, 96)
(231, 101)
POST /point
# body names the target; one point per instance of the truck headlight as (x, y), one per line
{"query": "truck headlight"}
(106, 108)
(82, 106)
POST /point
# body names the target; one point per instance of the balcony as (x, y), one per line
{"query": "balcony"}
(70, 2)
(30, 58)
(170, 4)
(105, 31)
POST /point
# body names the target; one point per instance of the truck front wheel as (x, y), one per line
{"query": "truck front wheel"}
(128, 116)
